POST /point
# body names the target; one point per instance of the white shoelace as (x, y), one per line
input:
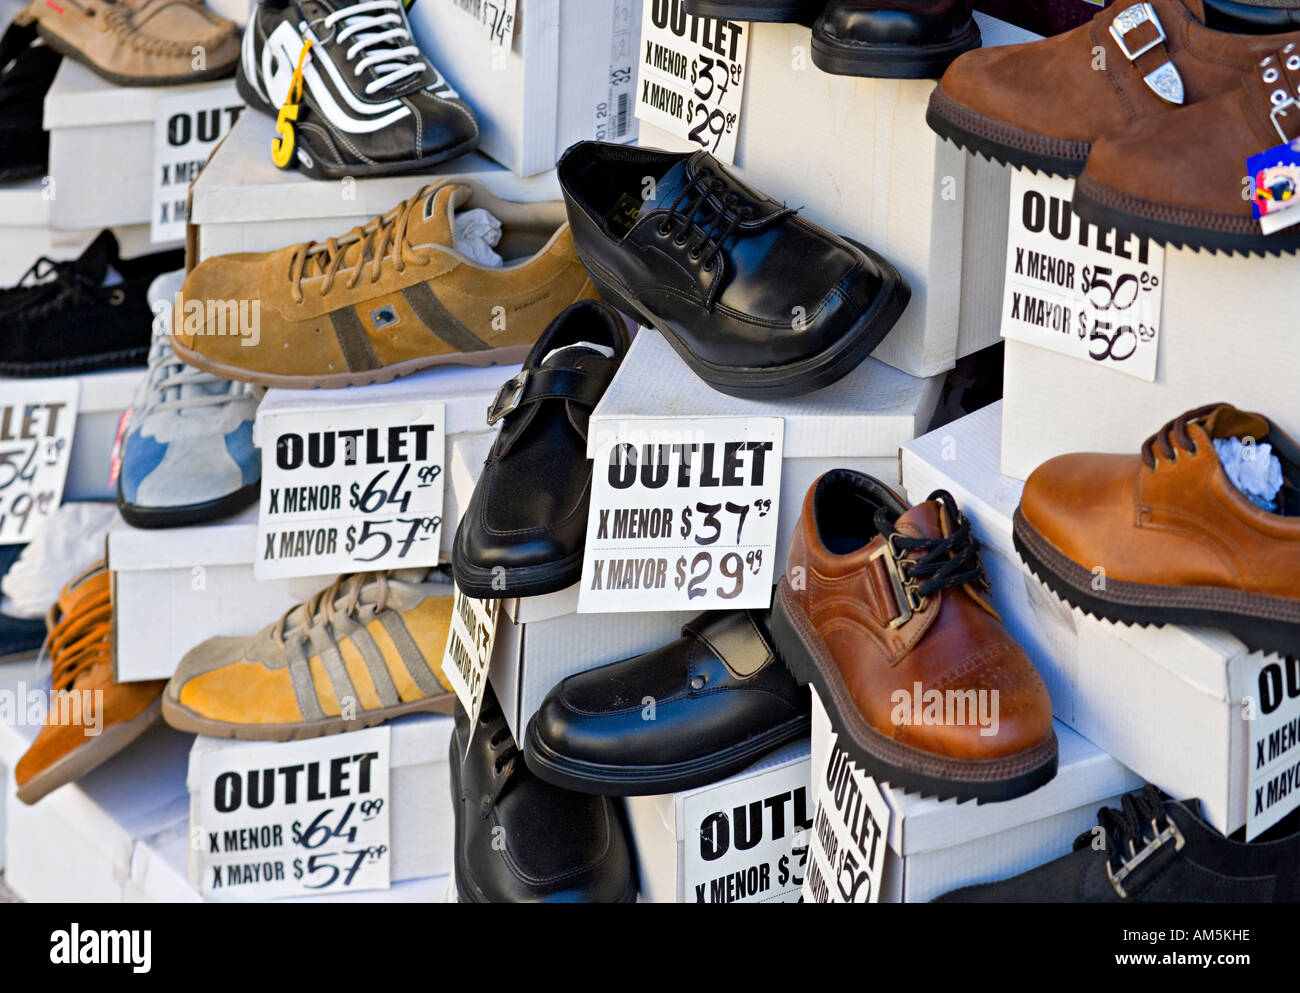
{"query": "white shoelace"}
(370, 22)
(173, 385)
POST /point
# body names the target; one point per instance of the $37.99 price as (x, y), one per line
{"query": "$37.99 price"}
(712, 78)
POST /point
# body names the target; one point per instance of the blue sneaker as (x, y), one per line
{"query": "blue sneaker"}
(187, 454)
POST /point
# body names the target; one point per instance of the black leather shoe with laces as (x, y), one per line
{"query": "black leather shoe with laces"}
(757, 300)
(522, 840)
(65, 318)
(1156, 850)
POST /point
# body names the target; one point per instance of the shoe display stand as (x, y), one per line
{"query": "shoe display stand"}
(1168, 702)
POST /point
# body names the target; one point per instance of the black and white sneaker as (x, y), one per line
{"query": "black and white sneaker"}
(372, 104)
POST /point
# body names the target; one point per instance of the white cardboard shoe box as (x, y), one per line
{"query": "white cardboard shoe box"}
(866, 166)
(1167, 702)
(242, 203)
(541, 91)
(174, 588)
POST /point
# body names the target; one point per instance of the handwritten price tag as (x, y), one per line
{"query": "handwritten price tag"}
(37, 421)
(683, 514)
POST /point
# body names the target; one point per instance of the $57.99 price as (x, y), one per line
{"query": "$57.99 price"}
(379, 536)
(324, 869)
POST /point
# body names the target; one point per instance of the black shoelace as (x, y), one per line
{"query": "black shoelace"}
(1128, 829)
(944, 562)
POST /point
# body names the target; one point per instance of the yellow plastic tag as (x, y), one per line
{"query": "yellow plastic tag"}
(282, 144)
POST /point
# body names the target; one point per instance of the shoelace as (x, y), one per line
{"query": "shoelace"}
(42, 269)
(321, 607)
(168, 377)
(386, 234)
(501, 741)
(121, 21)
(364, 22)
(1173, 437)
(945, 562)
(76, 646)
(68, 289)
(1127, 829)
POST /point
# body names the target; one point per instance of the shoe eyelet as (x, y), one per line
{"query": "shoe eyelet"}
(664, 230)
(679, 242)
(1293, 63)
(1280, 97)
(695, 255)
(1271, 75)
(698, 682)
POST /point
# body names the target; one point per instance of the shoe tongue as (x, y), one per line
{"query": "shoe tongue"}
(572, 356)
(98, 256)
(1227, 421)
(433, 222)
(668, 186)
(925, 520)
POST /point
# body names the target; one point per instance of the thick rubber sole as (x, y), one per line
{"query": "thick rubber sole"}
(75, 366)
(1180, 227)
(847, 58)
(784, 381)
(182, 718)
(1262, 623)
(1003, 143)
(533, 580)
(338, 380)
(880, 756)
(650, 780)
(70, 50)
(139, 516)
(28, 170)
(791, 12)
(97, 750)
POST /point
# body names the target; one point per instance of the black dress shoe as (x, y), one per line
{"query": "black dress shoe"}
(26, 72)
(695, 711)
(526, 524)
(1154, 850)
(903, 39)
(783, 11)
(757, 300)
(520, 840)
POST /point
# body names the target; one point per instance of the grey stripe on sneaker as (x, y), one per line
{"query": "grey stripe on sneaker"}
(412, 657)
(379, 674)
(332, 661)
(353, 340)
(300, 678)
(438, 319)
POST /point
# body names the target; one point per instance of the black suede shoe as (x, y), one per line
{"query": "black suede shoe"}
(26, 72)
(524, 529)
(66, 318)
(783, 11)
(1154, 850)
(697, 710)
(520, 840)
(902, 39)
(758, 301)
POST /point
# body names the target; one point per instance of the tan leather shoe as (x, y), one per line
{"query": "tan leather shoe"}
(386, 299)
(139, 42)
(1042, 104)
(1202, 202)
(91, 718)
(885, 610)
(1165, 537)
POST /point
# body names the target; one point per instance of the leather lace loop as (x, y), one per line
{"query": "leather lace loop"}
(944, 562)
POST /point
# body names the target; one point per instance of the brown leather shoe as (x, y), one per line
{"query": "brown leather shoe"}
(1165, 537)
(139, 42)
(1129, 183)
(885, 610)
(91, 718)
(1042, 104)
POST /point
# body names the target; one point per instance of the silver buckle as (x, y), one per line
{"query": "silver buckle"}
(1128, 866)
(906, 590)
(1281, 108)
(1128, 21)
(508, 397)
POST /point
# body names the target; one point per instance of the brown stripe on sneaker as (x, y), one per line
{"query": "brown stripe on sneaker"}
(438, 319)
(353, 340)
(411, 655)
(300, 678)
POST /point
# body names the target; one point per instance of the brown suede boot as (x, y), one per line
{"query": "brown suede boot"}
(387, 299)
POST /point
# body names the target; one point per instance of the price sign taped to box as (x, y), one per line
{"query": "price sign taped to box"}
(468, 652)
(292, 818)
(353, 490)
(1273, 728)
(188, 125)
(691, 80)
(37, 421)
(497, 18)
(683, 514)
(1091, 293)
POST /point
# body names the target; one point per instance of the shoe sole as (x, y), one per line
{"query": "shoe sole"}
(1262, 623)
(503, 582)
(325, 170)
(139, 516)
(880, 756)
(784, 381)
(1181, 227)
(182, 718)
(849, 58)
(71, 51)
(91, 755)
(1003, 143)
(337, 380)
(650, 780)
(72, 367)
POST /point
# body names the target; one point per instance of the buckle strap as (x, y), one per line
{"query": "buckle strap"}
(1165, 80)
(735, 638)
(1280, 76)
(1146, 863)
(583, 386)
(903, 585)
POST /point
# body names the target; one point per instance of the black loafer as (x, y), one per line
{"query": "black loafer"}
(781, 11)
(524, 529)
(758, 301)
(695, 711)
(915, 40)
(520, 840)
(1155, 850)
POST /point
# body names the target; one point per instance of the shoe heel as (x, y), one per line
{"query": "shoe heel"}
(610, 294)
(789, 646)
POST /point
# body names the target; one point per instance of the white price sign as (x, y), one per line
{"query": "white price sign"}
(691, 80)
(37, 421)
(683, 514)
(1273, 785)
(468, 653)
(357, 489)
(1091, 293)
(850, 834)
(187, 126)
(497, 18)
(291, 819)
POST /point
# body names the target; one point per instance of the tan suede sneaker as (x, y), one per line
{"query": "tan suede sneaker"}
(139, 42)
(384, 300)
